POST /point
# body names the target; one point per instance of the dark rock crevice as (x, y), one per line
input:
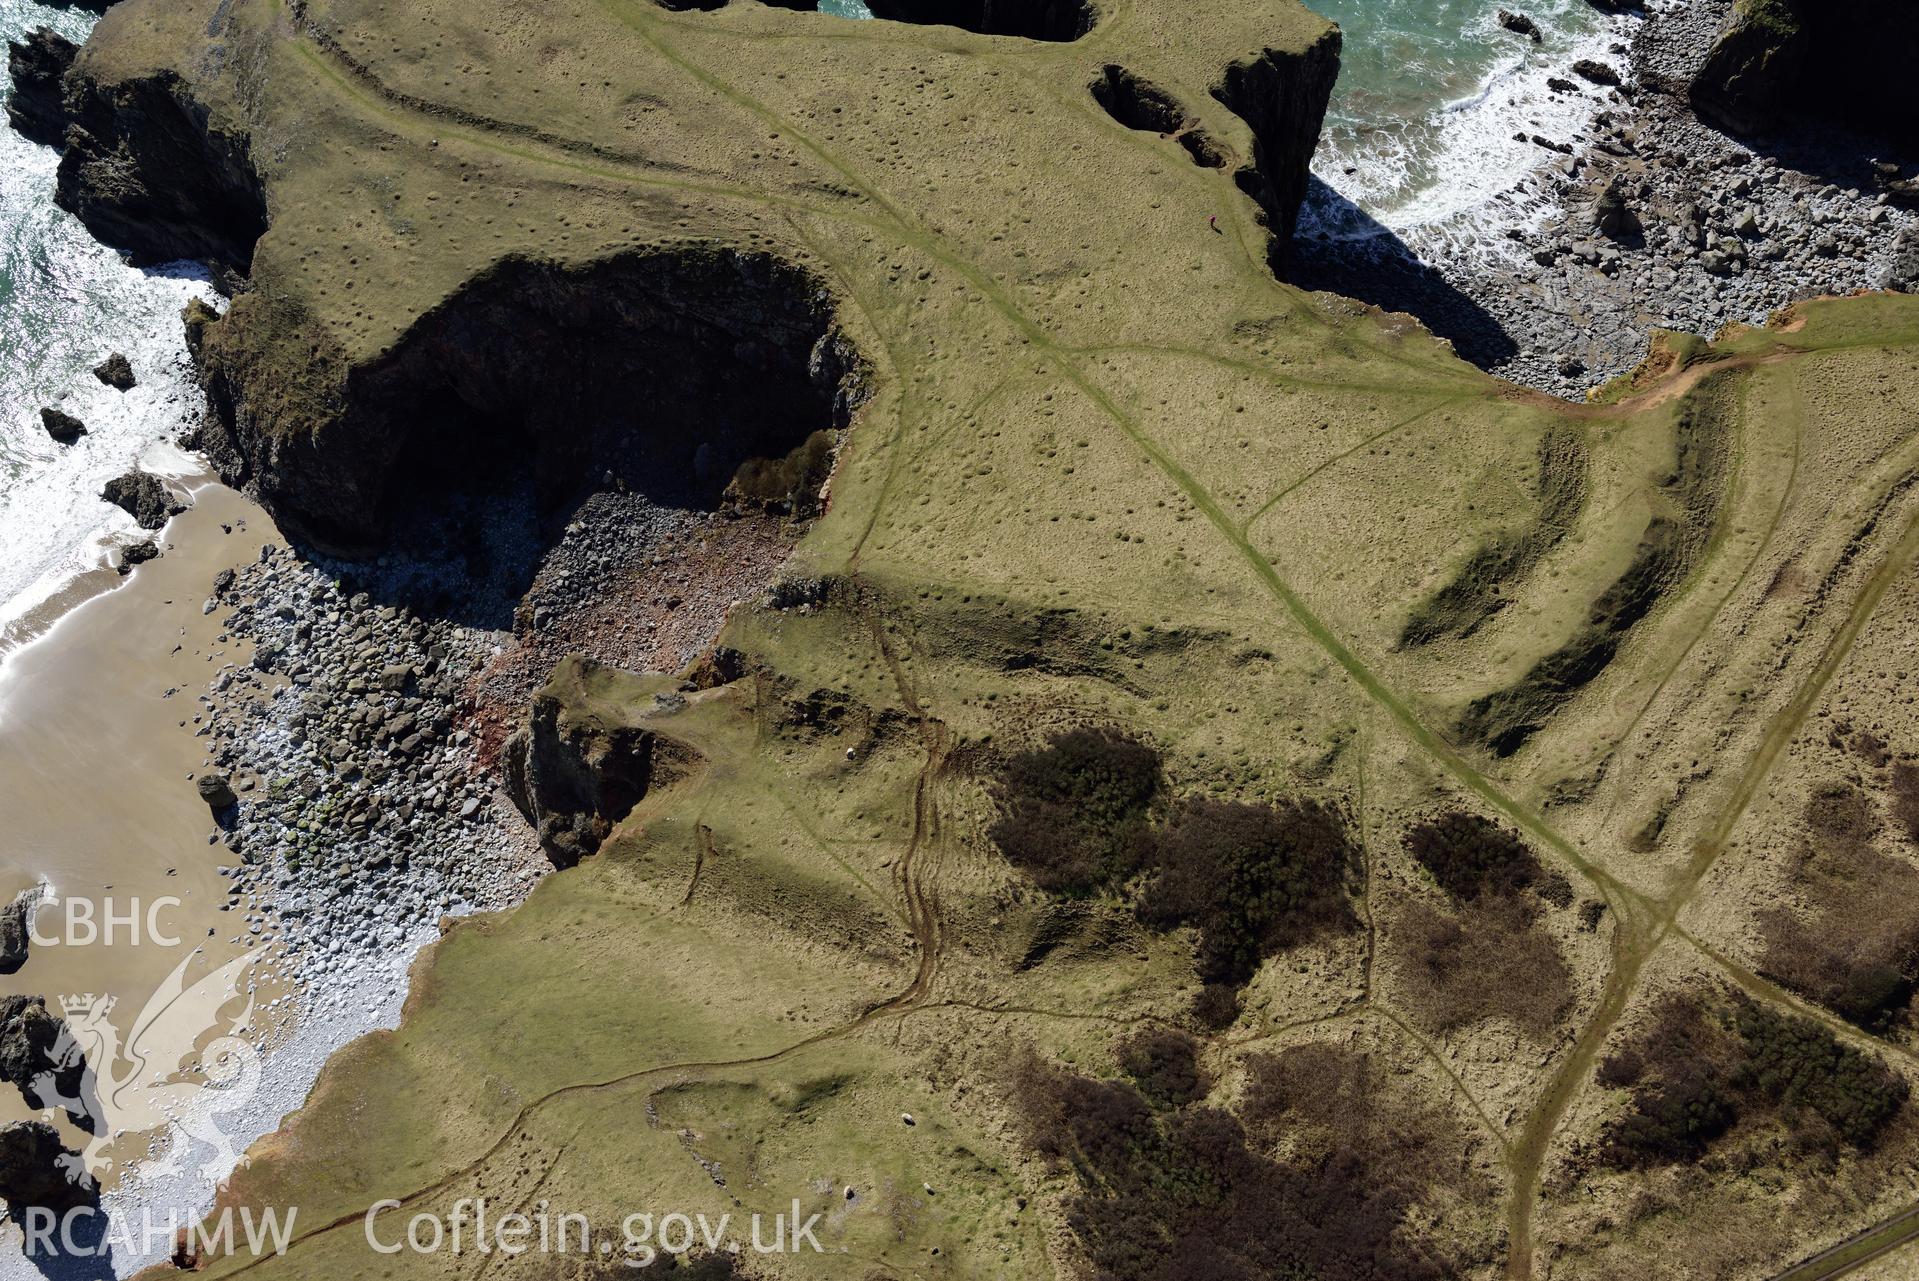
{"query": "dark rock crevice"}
(1140, 105)
(1057, 20)
(698, 378)
(1054, 20)
(1783, 61)
(581, 761)
(1282, 97)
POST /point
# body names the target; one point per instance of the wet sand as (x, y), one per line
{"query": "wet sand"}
(95, 777)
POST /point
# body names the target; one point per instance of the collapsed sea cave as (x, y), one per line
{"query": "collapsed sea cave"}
(697, 378)
(693, 376)
(1055, 20)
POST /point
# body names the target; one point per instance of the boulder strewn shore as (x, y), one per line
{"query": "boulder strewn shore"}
(1656, 220)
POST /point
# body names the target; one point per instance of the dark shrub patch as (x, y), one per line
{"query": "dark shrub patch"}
(1488, 960)
(1077, 816)
(1186, 1194)
(1216, 1007)
(1073, 814)
(1843, 822)
(1164, 1064)
(1254, 879)
(1698, 1072)
(1796, 1064)
(1856, 951)
(1905, 798)
(1473, 857)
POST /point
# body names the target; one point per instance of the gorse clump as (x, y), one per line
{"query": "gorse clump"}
(1856, 951)
(1074, 813)
(1697, 1073)
(1164, 1064)
(1254, 879)
(1170, 1189)
(1082, 815)
(1798, 1064)
(1472, 858)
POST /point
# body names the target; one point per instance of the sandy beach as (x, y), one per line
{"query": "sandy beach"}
(107, 718)
(97, 753)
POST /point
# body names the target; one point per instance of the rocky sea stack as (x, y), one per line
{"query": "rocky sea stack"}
(61, 426)
(36, 66)
(116, 371)
(145, 497)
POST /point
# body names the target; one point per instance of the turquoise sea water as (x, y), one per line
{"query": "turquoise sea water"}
(1420, 132)
(65, 303)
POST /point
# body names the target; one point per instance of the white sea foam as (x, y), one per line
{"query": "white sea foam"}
(1466, 165)
(66, 302)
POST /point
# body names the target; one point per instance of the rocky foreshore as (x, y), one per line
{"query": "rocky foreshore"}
(353, 805)
(352, 764)
(1653, 221)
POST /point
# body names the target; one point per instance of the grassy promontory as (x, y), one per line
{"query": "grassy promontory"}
(1099, 471)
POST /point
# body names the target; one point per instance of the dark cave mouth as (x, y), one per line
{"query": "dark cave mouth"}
(1057, 21)
(710, 382)
(697, 379)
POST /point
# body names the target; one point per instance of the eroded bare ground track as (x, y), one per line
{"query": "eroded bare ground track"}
(1647, 921)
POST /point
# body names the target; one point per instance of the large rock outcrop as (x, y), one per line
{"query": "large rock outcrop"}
(40, 1059)
(36, 65)
(583, 759)
(16, 921)
(150, 170)
(1785, 61)
(1282, 95)
(143, 496)
(36, 1169)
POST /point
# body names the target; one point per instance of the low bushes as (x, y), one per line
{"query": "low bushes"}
(1254, 879)
(1856, 951)
(1174, 1191)
(1473, 858)
(1086, 813)
(1699, 1071)
(1488, 960)
(1488, 956)
(1073, 814)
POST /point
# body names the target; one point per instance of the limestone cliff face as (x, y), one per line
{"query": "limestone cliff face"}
(1282, 96)
(581, 761)
(36, 65)
(1781, 61)
(668, 370)
(149, 171)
